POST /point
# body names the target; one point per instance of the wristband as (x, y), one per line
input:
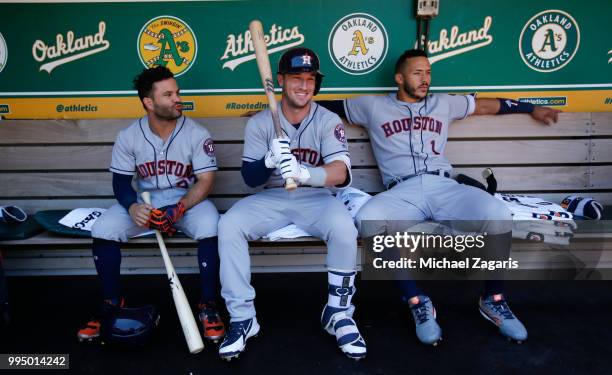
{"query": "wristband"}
(318, 176)
(507, 106)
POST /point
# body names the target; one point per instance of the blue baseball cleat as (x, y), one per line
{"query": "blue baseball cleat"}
(495, 309)
(427, 329)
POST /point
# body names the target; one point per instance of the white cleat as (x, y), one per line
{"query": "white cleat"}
(235, 340)
(341, 324)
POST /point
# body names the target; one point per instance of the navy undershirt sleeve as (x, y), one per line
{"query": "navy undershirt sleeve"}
(255, 173)
(124, 192)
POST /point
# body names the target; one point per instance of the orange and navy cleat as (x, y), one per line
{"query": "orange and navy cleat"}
(91, 330)
(214, 329)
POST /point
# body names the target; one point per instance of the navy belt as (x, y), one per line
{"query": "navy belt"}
(397, 180)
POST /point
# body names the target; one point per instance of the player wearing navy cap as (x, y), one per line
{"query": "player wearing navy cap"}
(315, 154)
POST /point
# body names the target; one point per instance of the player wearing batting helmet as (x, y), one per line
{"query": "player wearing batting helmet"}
(408, 132)
(315, 154)
(173, 158)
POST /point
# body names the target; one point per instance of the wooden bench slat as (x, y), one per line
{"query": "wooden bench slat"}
(519, 179)
(230, 155)
(61, 131)
(223, 203)
(230, 182)
(231, 129)
(34, 205)
(602, 123)
(601, 150)
(601, 177)
(569, 124)
(54, 157)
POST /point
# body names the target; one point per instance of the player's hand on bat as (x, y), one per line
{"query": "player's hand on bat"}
(174, 212)
(140, 213)
(279, 149)
(545, 115)
(158, 221)
(163, 219)
(290, 168)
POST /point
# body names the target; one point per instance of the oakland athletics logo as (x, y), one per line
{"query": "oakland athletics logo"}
(358, 43)
(3, 52)
(549, 41)
(169, 42)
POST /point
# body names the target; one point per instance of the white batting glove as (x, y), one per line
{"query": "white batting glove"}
(289, 167)
(278, 148)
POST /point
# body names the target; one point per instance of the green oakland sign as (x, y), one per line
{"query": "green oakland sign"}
(81, 56)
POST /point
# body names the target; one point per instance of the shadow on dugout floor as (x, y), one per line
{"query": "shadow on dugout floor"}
(569, 323)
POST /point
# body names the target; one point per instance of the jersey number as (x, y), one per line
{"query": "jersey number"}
(433, 147)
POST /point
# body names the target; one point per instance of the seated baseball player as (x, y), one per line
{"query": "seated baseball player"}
(408, 132)
(173, 158)
(314, 152)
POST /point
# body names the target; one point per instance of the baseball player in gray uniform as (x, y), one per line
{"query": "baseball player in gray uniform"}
(315, 154)
(408, 132)
(173, 158)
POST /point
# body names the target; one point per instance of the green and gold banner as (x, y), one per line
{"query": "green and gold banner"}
(77, 60)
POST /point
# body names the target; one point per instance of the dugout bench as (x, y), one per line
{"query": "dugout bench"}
(63, 164)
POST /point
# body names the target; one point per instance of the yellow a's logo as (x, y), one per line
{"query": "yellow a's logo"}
(358, 44)
(167, 41)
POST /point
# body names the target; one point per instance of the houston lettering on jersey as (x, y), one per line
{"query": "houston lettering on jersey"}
(306, 155)
(165, 167)
(419, 123)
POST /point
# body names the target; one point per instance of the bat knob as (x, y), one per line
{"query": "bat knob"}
(290, 184)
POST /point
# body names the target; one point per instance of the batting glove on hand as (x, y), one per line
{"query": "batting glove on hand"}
(279, 148)
(158, 221)
(163, 219)
(289, 167)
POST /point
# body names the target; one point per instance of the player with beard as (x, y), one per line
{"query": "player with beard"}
(173, 158)
(408, 131)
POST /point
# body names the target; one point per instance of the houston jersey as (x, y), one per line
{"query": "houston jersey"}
(408, 138)
(320, 139)
(162, 165)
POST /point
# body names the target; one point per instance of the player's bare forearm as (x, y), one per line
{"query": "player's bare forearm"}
(200, 190)
(337, 173)
(486, 106)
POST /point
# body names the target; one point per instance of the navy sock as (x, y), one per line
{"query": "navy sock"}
(492, 287)
(107, 257)
(407, 289)
(208, 262)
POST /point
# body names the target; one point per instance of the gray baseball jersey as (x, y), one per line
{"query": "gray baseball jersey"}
(408, 138)
(162, 165)
(320, 139)
(167, 170)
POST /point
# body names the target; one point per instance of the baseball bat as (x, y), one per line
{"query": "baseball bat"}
(263, 63)
(190, 328)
